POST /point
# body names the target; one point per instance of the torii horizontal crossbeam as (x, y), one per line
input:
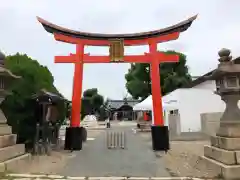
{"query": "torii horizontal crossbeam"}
(90, 42)
(161, 57)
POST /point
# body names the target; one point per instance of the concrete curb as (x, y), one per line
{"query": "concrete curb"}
(59, 177)
(96, 128)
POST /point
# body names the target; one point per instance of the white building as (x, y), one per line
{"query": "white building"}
(198, 98)
(188, 103)
(191, 102)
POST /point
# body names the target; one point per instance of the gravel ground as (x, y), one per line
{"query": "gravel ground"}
(49, 164)
(55, 162)
(183, 159)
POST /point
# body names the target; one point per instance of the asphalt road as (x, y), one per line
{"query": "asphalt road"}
(97, 160)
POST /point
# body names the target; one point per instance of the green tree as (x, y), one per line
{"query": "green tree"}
(91, 102)
(18, 107)
(173, 76)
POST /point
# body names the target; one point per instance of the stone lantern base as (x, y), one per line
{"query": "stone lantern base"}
(223, 155)
(12, 156)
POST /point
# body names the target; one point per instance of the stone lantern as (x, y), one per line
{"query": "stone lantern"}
(222, 156)
(6, 80)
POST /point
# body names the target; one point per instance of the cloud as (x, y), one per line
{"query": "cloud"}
(217, 26)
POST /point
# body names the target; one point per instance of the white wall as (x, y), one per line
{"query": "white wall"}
(210, 85)
(193, 102)
(172, 99)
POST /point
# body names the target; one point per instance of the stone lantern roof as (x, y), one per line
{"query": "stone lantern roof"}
(2, 58)
(3, 70)
(226, 65)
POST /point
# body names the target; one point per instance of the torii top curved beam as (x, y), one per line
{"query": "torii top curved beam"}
(71, 36)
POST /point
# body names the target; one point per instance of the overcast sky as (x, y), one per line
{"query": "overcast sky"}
(217, 26)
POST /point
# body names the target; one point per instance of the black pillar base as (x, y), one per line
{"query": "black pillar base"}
(73, 138)
(160, 138)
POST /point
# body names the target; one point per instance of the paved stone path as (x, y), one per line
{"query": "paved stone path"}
(96, 160)
(57, 177)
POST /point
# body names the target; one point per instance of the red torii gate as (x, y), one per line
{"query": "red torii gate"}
(117, 42)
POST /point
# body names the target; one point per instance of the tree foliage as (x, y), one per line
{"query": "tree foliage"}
(172, 76)
(18, 107)
(91, 102)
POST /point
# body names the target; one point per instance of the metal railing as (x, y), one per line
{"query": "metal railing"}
(116, 140)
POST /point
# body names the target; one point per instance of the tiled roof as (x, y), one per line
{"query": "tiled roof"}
(204, 77)
(115, 104)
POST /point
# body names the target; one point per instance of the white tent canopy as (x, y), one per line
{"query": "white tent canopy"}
(146, 105)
